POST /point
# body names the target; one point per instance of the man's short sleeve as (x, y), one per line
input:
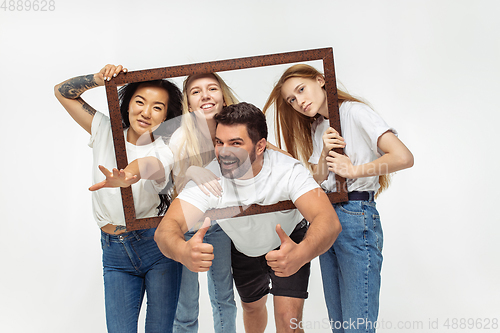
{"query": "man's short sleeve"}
(300, 182)
(193, 195)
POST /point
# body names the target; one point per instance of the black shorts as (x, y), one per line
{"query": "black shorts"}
(252, 274)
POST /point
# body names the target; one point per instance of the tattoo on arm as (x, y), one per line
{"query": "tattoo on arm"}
(90, 110)
(120, 227)
(74, 87)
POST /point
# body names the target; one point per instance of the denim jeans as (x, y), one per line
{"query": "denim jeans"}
(133, 265)
(220, 288)
(350, 269)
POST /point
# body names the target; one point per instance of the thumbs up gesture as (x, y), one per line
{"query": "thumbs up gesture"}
(198, 256)
(285, 261)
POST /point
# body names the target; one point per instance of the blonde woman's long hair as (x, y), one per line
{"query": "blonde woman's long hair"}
(293, 127)
(196, 149)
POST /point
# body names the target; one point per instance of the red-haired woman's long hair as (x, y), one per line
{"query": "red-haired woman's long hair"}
(293, 128)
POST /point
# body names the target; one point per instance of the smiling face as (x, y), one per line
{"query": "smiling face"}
(204, 94)
(236, 153)
(306, 96)
(147, 110)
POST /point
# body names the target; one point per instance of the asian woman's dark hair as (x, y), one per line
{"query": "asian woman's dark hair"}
(174, 110)
(174, 107)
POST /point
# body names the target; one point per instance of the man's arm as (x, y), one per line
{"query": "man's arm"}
(323, 230)
(194, 254)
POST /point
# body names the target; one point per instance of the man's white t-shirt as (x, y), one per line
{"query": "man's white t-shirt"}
(107, 202)
(361, 128)
(281, 178)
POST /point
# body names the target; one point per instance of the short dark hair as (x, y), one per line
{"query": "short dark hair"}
(174, 107)
(245, 114)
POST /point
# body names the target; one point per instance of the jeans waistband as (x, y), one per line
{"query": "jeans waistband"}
(137, 234)
(361, 195)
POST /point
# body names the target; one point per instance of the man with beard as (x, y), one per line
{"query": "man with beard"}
(266, 247)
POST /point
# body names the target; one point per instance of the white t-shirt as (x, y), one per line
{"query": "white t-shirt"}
(178, 148)
(281, 178)
(361, 128)
(107, 202)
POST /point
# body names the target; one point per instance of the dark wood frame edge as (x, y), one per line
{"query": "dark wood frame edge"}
(325, 54)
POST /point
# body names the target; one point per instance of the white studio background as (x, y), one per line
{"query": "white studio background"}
(429, 67)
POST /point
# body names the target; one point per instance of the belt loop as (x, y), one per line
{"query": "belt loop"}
(372, 196)
(136, 235)
(106, 237)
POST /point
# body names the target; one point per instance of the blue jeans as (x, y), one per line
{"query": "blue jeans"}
(350, 269)
(220, 288)
(132, 265)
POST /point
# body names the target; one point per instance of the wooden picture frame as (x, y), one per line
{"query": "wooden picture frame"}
(324, 54)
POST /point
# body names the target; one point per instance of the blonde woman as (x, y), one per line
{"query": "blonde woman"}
(351, 267)
(193, 146)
